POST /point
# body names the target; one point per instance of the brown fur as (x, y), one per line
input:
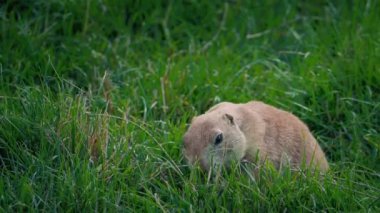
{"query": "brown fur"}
(251, 130)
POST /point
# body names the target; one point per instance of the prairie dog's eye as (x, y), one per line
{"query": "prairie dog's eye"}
(218, 139)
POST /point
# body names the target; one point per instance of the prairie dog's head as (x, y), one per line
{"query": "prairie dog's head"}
(213, 139)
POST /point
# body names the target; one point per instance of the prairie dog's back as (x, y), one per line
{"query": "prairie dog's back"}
(287, 136)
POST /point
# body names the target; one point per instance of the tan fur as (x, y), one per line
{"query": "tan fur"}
(257, 131)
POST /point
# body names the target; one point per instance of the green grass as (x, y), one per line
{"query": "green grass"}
(96, 95)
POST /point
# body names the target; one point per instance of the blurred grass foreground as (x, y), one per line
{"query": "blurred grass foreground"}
(95, 96)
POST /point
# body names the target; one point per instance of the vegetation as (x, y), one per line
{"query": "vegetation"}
(96, 95)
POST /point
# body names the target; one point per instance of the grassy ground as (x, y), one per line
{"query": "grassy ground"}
(95, 97)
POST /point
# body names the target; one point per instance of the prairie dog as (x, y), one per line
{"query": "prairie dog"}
(254, 130)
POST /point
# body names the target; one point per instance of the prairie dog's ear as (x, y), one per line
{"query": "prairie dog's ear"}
(229, 118)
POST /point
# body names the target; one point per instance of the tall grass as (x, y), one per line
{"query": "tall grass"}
(96, 95)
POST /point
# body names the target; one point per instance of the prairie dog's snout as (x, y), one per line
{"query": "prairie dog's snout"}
(232, 132)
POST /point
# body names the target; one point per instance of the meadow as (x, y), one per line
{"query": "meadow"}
(95, 97)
